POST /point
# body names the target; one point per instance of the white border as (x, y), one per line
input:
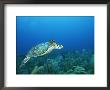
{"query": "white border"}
(96, 80)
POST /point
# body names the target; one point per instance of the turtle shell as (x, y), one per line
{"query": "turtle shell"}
(38, 50)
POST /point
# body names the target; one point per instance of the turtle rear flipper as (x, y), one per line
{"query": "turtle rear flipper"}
(26, 59)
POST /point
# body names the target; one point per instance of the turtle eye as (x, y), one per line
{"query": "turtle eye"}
(57, 45)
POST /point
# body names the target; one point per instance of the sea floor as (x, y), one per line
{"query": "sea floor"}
(68, 62)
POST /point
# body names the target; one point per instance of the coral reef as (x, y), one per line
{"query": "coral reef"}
(65, 62)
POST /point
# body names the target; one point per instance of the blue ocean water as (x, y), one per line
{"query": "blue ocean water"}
(73, 32)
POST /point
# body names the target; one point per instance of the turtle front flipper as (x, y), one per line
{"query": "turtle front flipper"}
(27, 58)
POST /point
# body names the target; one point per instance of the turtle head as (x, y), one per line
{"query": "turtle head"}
(55, 45)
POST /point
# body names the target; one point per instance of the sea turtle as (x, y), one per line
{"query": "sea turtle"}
(41, 49)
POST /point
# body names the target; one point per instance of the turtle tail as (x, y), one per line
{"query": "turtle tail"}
(26, 59)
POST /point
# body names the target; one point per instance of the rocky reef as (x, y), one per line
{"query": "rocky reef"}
(66, 62)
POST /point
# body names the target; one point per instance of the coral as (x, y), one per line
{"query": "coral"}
(70, 71)
(35, 70)
(38, 70)
(65, 62)
(79, 70)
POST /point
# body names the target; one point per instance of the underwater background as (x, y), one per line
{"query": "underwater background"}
(75, 33)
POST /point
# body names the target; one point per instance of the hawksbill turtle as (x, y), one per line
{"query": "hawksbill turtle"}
(40, 50)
